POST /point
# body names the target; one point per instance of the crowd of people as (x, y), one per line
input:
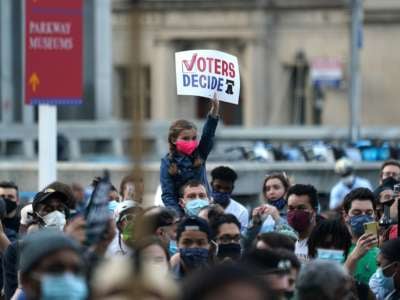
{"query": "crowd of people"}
(201, 243)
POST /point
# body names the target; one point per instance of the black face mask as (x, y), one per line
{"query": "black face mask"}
(10, 205)
(289, 295)
(231, 250)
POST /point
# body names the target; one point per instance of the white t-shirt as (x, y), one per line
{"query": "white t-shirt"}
(116, 248)
(240, 212)
(301, 250)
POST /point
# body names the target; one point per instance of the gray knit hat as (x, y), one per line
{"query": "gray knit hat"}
(37, 245)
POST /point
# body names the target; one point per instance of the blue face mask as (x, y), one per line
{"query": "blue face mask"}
(194, 257)
(220, 198)
(63, 286)
(380, 284)
(112, 205)
(193, 207)
(172, 247)
(331, 255)
(357, 224)
(279, 204)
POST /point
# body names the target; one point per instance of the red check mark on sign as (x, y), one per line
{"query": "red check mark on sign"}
(189, 65)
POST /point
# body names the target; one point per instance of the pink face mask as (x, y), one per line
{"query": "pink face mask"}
(186, 147)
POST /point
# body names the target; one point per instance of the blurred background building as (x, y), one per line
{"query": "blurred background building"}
(284, 48)
(277, 43)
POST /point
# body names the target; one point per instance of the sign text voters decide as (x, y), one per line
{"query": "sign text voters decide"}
(53, 52)
(203, 72)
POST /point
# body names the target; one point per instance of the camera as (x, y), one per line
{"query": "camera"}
(386, 220)
(396, 190)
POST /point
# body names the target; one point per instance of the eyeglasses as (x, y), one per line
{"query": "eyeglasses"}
(128, 217)
(226, 238)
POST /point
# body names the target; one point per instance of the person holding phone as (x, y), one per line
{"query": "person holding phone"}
(359, 208)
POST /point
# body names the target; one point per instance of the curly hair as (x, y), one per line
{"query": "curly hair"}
(329, 233)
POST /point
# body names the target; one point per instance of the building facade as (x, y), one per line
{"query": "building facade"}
(266, 36)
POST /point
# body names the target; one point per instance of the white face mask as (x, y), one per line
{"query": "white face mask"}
(55, 220)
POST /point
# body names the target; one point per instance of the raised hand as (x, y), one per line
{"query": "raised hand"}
(270, 210)
(214, 111)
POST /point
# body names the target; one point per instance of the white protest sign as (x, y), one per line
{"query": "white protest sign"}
(203, 72)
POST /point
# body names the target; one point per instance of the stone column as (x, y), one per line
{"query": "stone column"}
(7, 96)
(254, 84)
(102, 59)
(163, 82)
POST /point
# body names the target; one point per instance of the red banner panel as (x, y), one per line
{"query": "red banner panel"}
(53, 52)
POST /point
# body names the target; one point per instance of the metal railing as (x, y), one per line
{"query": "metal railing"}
(112, 138)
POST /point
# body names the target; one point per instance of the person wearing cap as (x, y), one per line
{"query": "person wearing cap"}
(50, 209)
(193, 237)
(385, 282)
(273, 267)
(51, 267)
(66, 190)
(348, 182)
(125, 215)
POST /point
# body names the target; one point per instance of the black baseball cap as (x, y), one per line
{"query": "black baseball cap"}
(391, 250)
(48, 194)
